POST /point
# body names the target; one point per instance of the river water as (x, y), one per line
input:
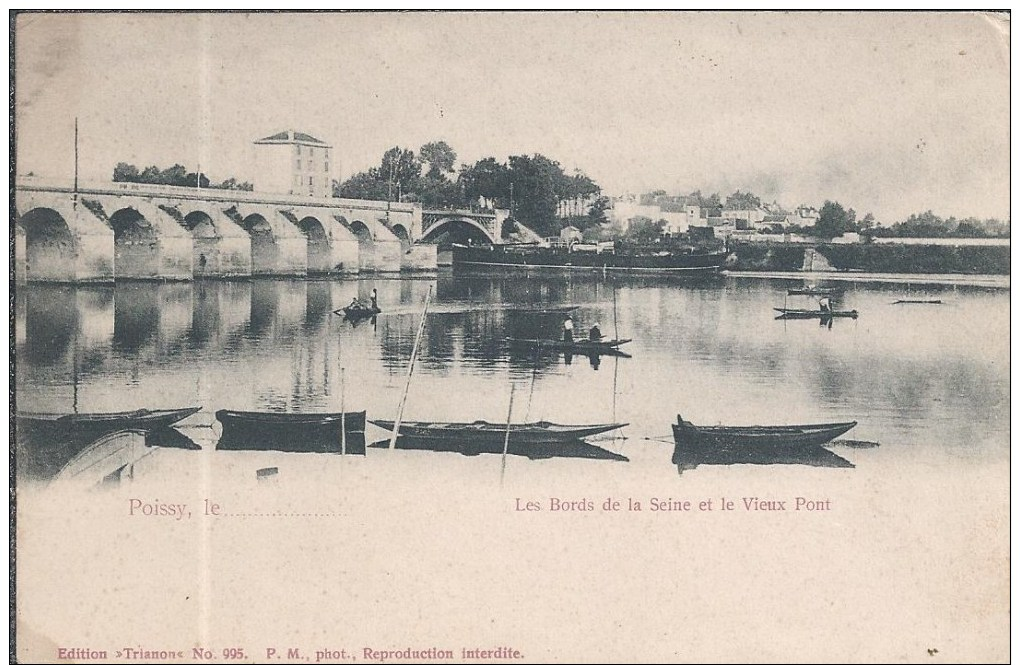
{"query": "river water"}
(922, 380)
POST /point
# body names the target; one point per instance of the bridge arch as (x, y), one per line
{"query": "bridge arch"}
(400, 231)
(204, 243)
(135, 244)
(265, 250)
(319, 259)
(459, 229)
(50, 248)
(361, 230)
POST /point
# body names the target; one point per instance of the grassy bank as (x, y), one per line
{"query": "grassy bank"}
(968, 260)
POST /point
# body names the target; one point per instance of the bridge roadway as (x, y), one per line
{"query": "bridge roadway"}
(116, 230)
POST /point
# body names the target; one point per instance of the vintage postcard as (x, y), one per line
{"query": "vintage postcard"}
(483, 337)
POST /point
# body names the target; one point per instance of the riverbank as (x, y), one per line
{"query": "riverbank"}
(986, 281)
(872, 258)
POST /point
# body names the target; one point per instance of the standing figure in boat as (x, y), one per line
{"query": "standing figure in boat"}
(595, 334)
(568, 330)
(375, 299)
(824, 305)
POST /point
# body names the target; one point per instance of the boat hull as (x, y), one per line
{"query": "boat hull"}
(484, 433)
(719, 439)
(357, 313)
(46, 441)
(500, 257)
(578, 347)
(293, 432)
(814, 314)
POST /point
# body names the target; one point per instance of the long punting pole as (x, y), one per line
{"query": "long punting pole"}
(506, 439)
(75, 204)
(410, 370)
(343, 416)
(616, 329)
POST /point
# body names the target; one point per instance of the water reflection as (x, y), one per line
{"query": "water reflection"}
(936, 378)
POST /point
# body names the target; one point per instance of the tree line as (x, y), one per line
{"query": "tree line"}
(532, 187)
(176, 175)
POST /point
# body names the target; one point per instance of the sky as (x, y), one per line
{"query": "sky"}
(889, 113)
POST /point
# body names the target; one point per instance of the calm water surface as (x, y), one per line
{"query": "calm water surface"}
(929, 383)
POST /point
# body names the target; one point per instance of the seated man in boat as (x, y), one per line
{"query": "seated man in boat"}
(595, 334)
(568, 330)
(356, 304)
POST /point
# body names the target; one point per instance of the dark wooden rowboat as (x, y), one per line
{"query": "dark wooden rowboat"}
(95, 425)
(357, 313)
(579, 346)
(292, 432)
(785, 313)
(718, 438)
(815, 291)
(45, 442)
(482, 431)
(918, 302)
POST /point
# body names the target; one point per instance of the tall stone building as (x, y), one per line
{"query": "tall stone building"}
(293, 163)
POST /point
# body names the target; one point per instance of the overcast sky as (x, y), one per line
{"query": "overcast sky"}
(889, 113)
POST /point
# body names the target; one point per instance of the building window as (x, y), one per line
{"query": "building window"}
(309, 181)
(326, 167)
(299, 150)
(297, 179)
(327, 154)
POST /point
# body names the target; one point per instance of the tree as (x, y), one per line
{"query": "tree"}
(535, 181)
(439, 157)
(643, 229)
(742, 201)
(400, 168)
(833, 221)
(365, 185)
(597, 211)
(487, 179)
(124, 172)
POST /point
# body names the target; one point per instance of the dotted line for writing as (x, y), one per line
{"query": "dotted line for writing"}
(279, 514)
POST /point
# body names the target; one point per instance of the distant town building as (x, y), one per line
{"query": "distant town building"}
(293, 163)
(674, 211)
(569, 234)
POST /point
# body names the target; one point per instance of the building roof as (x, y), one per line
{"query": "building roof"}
(290, 136)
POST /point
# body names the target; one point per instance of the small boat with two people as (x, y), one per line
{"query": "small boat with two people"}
(359, 310)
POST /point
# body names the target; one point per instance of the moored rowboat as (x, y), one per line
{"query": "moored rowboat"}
(720, 437)
(292, 432)
(95, 425)
(485, 432)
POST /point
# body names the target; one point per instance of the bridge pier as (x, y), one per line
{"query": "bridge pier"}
(219, 247)
(56, 241)
(149, 243)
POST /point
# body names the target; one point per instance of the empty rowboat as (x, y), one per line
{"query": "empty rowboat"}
(293, 432)
(94, 425)
(482, 431)
(719, 437)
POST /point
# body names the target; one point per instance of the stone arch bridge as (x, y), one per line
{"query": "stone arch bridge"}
(104, 231)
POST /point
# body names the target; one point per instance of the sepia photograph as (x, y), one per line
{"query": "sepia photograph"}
(490, 337)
